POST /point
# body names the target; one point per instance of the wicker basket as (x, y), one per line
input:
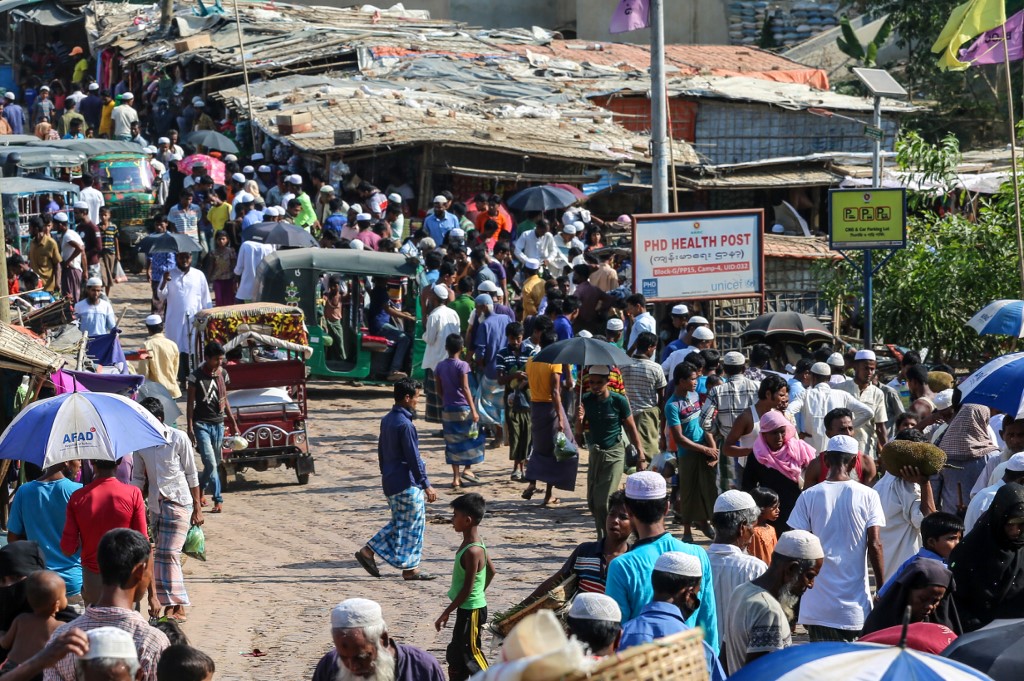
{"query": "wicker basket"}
(679, 657)
(552, 600)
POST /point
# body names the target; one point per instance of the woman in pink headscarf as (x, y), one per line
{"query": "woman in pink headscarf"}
(777, 462)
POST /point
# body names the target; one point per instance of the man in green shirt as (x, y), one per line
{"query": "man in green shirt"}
(307, 216)
(607, 414)
(465, 303)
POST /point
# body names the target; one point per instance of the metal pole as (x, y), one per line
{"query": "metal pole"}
(245, 77)
(659, 151)
(1013, 159)
(5, 305)
(876, 182)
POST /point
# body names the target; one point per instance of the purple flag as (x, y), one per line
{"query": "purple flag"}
(630, 15)
(988, 48)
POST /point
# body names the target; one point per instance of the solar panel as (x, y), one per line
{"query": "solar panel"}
(880, 83)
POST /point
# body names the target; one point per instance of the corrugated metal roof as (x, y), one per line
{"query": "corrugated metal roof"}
(764, 179)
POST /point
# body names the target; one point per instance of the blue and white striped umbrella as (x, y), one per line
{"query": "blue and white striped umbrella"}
(1000, 318)
(79, 426)
(998, 384)
(859, 661)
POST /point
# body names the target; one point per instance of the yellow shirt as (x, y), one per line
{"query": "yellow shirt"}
(162, 365)
(44, 257)
(81, 66)
(533, 293)
(106, 123)
(539, 376)
(218, 215)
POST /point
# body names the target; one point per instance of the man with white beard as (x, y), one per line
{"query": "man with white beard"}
(759, 619)
(363, 651)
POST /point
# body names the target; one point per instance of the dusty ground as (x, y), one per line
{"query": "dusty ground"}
(281, 555)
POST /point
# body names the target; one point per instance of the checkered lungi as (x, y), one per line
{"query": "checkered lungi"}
(400, 542)
(432, 413)
(459, 448)
(490, 403)
(170, 526)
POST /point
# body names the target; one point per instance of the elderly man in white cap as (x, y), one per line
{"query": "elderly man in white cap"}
(596, 621)
(701, 339)
(873, 434)
(440, 221)
(122, 116)
(364, 651)
(847, 518)
(111, 657)
(676, 580)
(759, 618)
(95, 314)
(734, 518)
(160, 362)
(629, 575)
(441, 322)
(821, 398)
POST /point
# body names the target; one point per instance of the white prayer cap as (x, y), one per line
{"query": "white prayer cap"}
(356, 207)
(394, 197)
(680, 310)
(264, 169)
(585, 334)
(498, 293)
(94, 281)
(441, 291)
(484, 299)
(703, 333)
(440, 199)
(836, 360)
(198, 103)
(60, 217)
(569, 229)
(568, 217)
(92, 87)
(594, 606)
(778, 229)
(799, 544)
(157, 166)
(842, 443)
(175, 157)
(645, 485)
(697, 319)
(250, 170)
(154, 320)
(584, 215)
(238, 177)
(943, 400)
(245, 197)
(150, 149)
(821, 369)
(487, 286)
(356, 613)
(9, 95)
(580, 227)
(230, 158)
(426, 243)
(1016, 463)
(457, 233)
(293, 179)
(326, 189)
(615, 324)
(127, 96)
(864, 354)
(256, 157)
(600, 370)
(531, 264)
(270, 211)
(356, 244)
(80, 205)
(364, 217)
(734, 500)
(678, 563)
(110, 643)
(164, 140)
(734, 359)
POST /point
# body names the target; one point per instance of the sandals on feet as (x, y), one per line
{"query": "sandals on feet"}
(419, 577)
(470, 475)
(528, 493)
(368, 564)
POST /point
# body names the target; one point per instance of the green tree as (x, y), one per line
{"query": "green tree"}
(850, 45)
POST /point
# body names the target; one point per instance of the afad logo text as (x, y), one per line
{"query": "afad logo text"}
(70, 438)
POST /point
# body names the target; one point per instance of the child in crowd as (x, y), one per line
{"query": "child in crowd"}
(222, 269)
(45, 593)
(940, 533)
(511, 365)
(472, 574)
(463, 441)
(762, 544)
(181, 662)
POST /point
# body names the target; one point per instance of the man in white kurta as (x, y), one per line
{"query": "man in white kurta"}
(187, 292)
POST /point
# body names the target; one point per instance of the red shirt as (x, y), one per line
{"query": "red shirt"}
(102, 505)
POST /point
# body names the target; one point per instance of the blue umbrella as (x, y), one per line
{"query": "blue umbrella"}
(999, 384)
(1000, 318)
(860, 661)
(72, 426)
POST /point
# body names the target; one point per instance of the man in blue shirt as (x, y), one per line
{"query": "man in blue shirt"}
(440, 222)
(676, 578)
(629, 575)
(38, 514)
(387, 319)
(406, 485)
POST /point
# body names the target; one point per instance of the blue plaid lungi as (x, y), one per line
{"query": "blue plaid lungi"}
(459, 448)
(400, 542)
(490, 403)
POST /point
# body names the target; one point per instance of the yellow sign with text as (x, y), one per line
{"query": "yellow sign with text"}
(867, 218)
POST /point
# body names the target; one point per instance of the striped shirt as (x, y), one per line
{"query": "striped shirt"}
(643, 379)
(726, 402)
(590, 567)
(150, 642)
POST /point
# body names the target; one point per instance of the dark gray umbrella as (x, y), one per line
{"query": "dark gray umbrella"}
(792, 326)
(153, 389)
(543, 198)
(211, 139)
(281, 234)
(169, 242)
(584, 351)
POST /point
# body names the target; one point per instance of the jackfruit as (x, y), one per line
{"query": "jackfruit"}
(928, 458)
(939, 381)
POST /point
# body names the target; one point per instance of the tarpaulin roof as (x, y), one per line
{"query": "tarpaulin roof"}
(43, 13)
(28, 185)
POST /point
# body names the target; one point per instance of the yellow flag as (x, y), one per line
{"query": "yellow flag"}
(966, 22)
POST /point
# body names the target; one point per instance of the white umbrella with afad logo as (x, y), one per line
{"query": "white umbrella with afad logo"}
(98, 426)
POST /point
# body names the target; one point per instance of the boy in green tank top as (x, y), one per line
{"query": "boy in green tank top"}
(471, 575)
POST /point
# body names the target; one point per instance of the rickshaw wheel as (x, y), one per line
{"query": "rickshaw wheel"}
(303, 478)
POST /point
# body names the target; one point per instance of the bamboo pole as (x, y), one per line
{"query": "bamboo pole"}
(1013, 160)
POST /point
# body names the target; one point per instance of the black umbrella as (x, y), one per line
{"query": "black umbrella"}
(541, 198)
(995, 650)
(791, 326)
(211, 139)
(169, 242)
(282, 234)
(584, 351)
(153, 389)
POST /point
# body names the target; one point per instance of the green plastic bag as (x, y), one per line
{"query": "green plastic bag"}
(195, 543)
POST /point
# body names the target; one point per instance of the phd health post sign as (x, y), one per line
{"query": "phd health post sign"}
(715, 254)
(867, 218)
